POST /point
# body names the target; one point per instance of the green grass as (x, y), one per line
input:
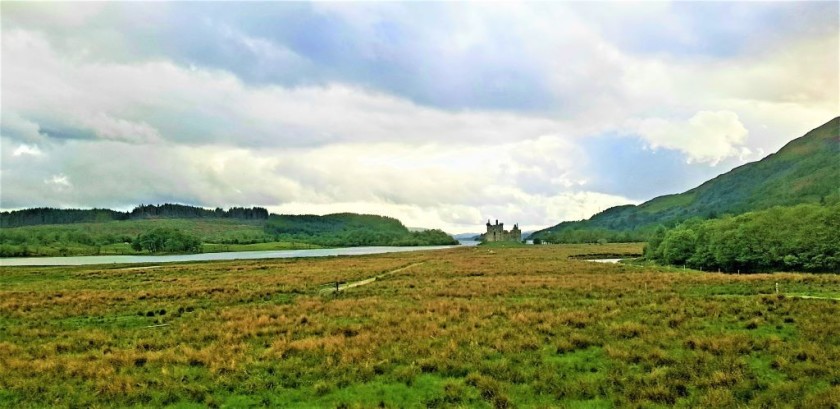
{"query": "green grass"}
(527, 326)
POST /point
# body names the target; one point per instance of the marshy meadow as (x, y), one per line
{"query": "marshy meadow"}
(533, 326)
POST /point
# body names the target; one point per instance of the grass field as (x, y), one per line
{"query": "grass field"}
(470, 327)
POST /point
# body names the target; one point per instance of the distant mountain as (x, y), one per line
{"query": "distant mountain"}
(466, 236)
(806, 170)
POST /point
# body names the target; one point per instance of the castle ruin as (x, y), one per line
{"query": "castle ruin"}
(497, 232)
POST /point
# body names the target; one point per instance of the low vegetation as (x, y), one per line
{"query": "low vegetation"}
(804, 238)
(473, 327)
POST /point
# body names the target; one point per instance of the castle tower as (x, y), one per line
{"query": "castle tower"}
(497, 232)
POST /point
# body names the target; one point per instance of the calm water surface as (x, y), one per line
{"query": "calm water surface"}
(606, 260)
(240, 255)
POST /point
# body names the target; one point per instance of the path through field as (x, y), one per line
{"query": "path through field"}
(366, 281)
(813, 297)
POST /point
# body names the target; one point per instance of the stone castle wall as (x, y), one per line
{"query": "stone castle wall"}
(497, 232)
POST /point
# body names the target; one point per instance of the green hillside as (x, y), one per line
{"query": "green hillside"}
(806, 170)
(350, 229)
(213, 233)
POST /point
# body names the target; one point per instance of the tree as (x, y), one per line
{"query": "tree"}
(678, 246)
(652, 248)
(166, 239)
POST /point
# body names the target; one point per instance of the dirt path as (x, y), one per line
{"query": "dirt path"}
(342, 287)
(139, 268)
(814, 297)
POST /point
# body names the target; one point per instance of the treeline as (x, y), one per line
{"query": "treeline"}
(799, 238)
(47, 215)
(179, 211)
(332, 223)
(588, 235)
(349, 229)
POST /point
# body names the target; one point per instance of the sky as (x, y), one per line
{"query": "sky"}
(441, 114)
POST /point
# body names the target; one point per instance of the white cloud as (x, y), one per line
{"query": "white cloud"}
(54, 15)
(25, 149)
(59, 182)
(425, 186)
(106, 127)
(530, 212)
(145, 102)
(708, 136)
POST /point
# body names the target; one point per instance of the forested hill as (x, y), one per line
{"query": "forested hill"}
(46, 215)
(186, 229)
(350, 229)
(806, 170)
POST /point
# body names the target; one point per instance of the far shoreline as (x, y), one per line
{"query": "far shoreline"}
(216, 256)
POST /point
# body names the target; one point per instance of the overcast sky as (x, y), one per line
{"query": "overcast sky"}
(440, 114)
